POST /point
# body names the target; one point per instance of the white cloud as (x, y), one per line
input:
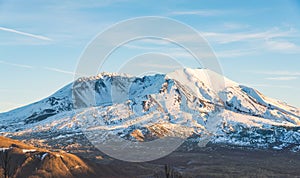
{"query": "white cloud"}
(279, 75)
(269, 86)
(76, 5)
(234, 26)
(40, 37)
(278, 72)
(283, 46)
(162, 66)
(282, 78)
(199, 12)
(224, 38)
(234, 53)
(273, 40)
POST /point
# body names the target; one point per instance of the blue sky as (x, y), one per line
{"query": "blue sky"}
(257, 42)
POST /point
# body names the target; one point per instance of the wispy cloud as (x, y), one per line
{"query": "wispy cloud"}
(33, 67)
(269, 86)
(282, 78)
(77, 5)
(40, 37)
(234, 26)
(16, 65)
(178, 51)
(278, 72)
(60, 70)
(279, 75)
(142, 47)
(199, 12)
(234, 53)
(148, 43)
(158, 66)
(224, 38)
(285, 46)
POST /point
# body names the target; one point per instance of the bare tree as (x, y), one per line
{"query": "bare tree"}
(5, 162)
(171, 173)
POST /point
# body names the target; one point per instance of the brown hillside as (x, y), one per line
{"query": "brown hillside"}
(21, 160)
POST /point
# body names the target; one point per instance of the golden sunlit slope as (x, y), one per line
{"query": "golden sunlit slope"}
(20, 160)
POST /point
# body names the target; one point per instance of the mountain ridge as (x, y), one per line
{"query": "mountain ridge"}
(196, 101)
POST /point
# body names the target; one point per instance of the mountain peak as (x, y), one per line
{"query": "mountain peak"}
(101, 75)
(208, 77)
(194, 101)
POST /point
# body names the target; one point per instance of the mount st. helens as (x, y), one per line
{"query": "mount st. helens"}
(197, 104)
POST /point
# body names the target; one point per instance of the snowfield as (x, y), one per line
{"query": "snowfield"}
(196, 104)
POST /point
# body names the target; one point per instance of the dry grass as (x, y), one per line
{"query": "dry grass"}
(7, 142)
(34, 164)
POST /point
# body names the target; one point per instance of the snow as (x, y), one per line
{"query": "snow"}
(43, 156)
(184, 102)
(28, 150)
(209, 78)
(4, 149)
(251, 121)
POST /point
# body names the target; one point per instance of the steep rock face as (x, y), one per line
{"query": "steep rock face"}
(192, 103)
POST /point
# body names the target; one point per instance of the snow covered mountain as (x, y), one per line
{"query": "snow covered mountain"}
(196, 104)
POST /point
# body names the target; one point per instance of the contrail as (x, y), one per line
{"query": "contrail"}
(59, 70)
(26, 34)
(33, 67)
(15, 64)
